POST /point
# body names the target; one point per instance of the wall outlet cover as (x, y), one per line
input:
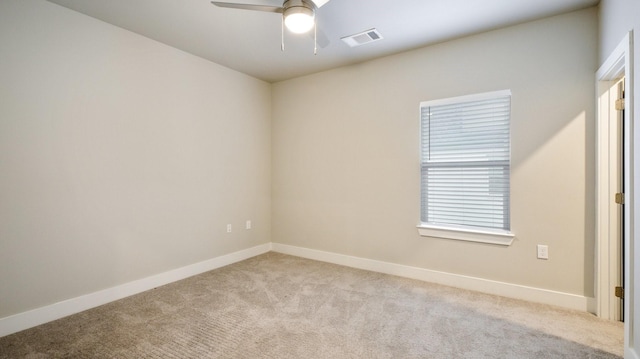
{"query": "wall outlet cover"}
(543, 251)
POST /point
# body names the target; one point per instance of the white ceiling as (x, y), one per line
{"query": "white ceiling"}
(249, 41)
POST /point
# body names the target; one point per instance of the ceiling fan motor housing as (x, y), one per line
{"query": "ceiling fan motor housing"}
(299, 3)
(299, 14)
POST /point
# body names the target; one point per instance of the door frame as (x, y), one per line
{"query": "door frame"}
(618, 64)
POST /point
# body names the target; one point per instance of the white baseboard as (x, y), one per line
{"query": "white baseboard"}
(32, 318)
(565, 300)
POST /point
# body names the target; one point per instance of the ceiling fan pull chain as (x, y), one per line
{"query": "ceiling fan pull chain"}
(315, 37)
(282, 34)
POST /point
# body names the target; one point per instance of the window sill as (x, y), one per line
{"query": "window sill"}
(503, 238)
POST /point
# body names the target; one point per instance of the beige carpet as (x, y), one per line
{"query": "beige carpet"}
(278, 306)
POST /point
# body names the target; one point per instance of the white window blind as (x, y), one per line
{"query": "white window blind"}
(466, 161)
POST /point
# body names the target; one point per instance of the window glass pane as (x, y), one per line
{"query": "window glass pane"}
(466, 162)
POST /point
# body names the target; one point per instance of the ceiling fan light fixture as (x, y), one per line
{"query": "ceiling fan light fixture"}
(299, 19)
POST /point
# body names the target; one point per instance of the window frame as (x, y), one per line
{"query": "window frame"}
(460, 232)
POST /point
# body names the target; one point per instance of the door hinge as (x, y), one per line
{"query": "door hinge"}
(620, 292)
(620, 104)
(620, 198)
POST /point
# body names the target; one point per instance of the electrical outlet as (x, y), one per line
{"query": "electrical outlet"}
(543, 251)
(248, 224)
(228, 228)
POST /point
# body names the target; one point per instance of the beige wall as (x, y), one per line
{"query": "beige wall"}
(120, 157)
(346, 158)
(617, 18)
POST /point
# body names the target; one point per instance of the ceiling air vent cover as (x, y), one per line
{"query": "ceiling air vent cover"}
(362, 38)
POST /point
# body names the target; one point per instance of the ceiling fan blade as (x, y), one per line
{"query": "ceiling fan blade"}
(319, 3)
(264, 8)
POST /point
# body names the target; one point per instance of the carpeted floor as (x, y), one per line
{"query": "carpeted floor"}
(279, 306)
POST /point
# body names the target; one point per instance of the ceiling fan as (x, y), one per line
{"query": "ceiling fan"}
(297, 15)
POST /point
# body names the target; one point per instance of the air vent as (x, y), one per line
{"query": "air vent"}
(362, 38)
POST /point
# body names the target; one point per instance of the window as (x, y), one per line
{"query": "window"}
(466, 168)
